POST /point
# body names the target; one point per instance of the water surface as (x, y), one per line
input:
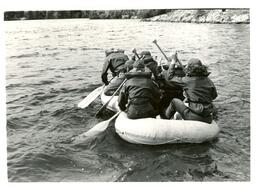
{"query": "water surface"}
(51, 65)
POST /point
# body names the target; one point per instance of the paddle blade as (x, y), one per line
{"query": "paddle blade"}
(97, 129)
(90, 98)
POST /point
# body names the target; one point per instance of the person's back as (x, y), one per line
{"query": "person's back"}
(199, 92)
(140, 95)
(199, 89)
(115, 62)
(150, 63)
(171, 84)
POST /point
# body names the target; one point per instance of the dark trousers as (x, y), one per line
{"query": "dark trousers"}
(186, 113)
(141, 111)
(113, 85)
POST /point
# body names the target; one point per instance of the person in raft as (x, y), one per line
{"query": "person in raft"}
(139, 96)
(170, 83)
(150, 63)
(114, 61)
(199, 92)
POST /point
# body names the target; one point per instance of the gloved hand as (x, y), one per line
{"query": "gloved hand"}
(173, 58)
(122, 108)
(104, 78)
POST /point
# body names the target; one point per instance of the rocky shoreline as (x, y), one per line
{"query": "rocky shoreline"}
(218, 16)
(221, 16)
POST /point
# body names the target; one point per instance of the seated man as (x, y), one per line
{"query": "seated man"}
(150, 63)
(118, 80)
(199, 91)
(171, 84)
(114, 61)
(140, 96)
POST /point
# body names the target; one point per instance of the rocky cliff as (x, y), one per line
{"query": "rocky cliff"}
(205, 16)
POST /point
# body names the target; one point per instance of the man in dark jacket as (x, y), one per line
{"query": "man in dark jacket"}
(171, 84)
(114, 61)
(150, 63)
(139, 95)
(199, 91)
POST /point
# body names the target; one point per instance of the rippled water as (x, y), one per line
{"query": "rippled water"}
(52, 64)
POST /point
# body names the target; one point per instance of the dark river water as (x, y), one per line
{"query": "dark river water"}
(51, 65)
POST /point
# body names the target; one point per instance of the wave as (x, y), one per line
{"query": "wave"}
(45, 97)
(25, 55)
(45, 82)
(17, 123)
(68, 69)
(50, 54)
(88, 48)
(17, 99)
(14, 85)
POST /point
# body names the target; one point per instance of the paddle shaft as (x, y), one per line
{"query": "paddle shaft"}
(137, 55)
(105, 105)
(155, 42)
(135, 52)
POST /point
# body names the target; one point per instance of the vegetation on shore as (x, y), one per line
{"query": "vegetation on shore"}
(91, 14)
(160, 15)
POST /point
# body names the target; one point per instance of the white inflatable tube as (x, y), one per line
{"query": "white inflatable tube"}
(112, 105)
(151, 131)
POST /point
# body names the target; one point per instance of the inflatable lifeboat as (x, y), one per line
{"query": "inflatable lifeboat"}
(156, 131)
(151, 131)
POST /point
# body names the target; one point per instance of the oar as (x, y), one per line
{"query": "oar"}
(155, 42)
(135, 52)
(91, 97)
(105, 105)
(99, 128)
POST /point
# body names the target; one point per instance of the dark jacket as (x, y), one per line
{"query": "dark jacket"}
(115, 63)
(200, 92)
(171, 83)
(141, 95)
(152, 65)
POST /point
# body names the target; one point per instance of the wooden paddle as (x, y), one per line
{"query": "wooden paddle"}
(167, 59)
(99, 111)
(98, 128)
(135, 52)
(91, 97)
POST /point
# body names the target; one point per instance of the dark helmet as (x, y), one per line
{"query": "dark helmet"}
(109, 51)
(113, 50)
(119, 51)
(145, 53)
(196, 68)
(194, 62)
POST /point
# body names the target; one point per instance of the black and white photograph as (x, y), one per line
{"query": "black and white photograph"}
(127, 94)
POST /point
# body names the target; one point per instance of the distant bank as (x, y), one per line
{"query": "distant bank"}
(155, 15)
(221, 16)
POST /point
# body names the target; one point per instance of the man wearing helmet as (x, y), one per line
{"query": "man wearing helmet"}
(115, 62)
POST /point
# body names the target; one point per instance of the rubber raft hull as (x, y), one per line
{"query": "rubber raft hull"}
(112, 105)
(151, 131)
